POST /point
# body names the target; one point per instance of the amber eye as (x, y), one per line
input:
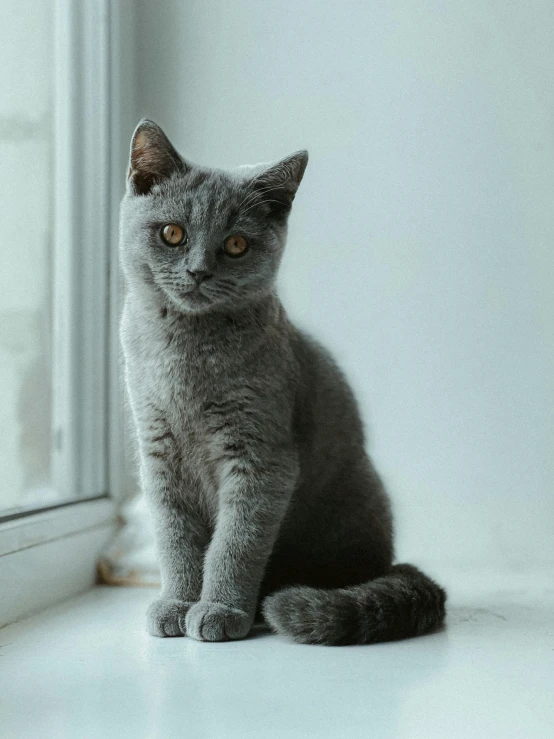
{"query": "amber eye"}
(235, 246)
(173, 235)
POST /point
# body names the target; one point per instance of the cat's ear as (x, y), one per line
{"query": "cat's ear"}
(280, 181)
(153, 158)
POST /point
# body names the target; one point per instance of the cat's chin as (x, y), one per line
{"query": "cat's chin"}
(192, 302)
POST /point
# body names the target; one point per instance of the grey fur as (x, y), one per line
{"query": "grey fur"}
(250, 442)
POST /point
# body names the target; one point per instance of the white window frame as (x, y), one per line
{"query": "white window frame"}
(49, 554)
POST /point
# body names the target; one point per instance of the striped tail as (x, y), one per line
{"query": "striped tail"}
(398, 605)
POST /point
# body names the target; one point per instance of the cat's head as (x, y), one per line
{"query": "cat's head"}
(202, 238)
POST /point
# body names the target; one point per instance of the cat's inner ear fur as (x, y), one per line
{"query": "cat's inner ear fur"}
(277, 185)
(153, 158)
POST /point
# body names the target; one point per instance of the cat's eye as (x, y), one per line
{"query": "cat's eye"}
(235, 246)
(173, 234)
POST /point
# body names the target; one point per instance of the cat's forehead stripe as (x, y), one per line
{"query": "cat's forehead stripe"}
(196, 177)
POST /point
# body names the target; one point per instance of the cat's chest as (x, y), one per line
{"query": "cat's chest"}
(185, 373)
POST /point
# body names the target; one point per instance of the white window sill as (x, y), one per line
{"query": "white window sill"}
(86, 668)
(48, 556)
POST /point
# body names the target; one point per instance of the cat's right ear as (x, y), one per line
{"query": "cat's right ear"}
(153, 158)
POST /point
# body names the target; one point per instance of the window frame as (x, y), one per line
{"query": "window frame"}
(87, 420)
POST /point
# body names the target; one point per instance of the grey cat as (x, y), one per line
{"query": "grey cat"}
(250, 441)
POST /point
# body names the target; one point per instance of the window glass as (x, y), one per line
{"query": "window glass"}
(26, 225)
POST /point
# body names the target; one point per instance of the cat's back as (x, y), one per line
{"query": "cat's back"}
(327, 417)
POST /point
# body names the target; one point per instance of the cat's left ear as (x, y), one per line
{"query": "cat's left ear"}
(153, 158)
(280, 181)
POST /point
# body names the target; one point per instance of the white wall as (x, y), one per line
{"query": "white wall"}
(421, 243)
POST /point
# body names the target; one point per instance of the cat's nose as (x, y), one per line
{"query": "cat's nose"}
(199, 275)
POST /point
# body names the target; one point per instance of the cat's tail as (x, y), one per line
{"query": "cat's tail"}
(400, 604)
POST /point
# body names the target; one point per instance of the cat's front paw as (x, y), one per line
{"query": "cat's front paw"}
(166, 617)
(208, 621)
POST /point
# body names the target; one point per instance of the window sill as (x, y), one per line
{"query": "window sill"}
(51, 555)
(87, 668)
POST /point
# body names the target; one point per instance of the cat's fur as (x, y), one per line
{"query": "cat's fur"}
(251, 445)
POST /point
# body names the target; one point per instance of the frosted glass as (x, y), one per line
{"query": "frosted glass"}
(26, 185)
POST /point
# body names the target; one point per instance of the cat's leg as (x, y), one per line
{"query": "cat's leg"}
(181, 539)
(340, 535)
(253, 501)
